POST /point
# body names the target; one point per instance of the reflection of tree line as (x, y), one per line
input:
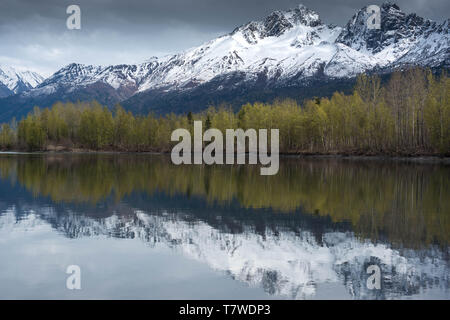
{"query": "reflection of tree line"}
(407, 203)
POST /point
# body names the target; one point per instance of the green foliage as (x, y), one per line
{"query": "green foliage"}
(7, 137)
(437, 114)
(96, 128)
(31, 132)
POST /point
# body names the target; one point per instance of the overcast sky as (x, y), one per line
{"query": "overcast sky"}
(33, 34)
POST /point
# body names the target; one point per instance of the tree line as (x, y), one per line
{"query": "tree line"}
(409, 114)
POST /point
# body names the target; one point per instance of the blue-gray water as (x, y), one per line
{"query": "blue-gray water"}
(141, 228)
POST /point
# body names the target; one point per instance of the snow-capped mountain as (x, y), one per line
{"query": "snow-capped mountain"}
(402, 39)
(120, 77)
(13, 81)
(287, 49)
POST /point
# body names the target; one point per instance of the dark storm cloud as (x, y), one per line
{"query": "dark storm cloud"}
(33, 33)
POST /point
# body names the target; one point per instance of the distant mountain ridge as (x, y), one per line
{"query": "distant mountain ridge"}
(288, 53)
(13, 81)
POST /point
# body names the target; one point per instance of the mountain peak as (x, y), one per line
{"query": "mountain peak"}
(395, 26)
(308, 16)
(278, 22)
(14, 81)
(300, 15)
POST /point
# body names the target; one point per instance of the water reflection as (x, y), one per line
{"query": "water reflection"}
(316, 222)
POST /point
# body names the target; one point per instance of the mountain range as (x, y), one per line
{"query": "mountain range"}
(287, 54)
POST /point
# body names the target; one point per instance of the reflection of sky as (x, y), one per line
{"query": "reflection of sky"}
(180, 259)
(33, 260)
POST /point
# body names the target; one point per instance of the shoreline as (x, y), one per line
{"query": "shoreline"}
(419, 158)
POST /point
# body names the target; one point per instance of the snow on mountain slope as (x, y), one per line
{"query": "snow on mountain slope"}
(402, 39)
(432, 49)
(79, 75)
(281, 45)
(18, 81)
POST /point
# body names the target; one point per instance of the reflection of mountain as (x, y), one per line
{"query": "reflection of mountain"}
(282, 261)
(403, 203)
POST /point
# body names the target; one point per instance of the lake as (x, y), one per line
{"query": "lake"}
(139, 227)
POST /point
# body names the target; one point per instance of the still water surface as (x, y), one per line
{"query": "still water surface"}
(142, 228)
